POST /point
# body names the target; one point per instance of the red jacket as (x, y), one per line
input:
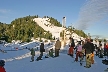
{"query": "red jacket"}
(106, 46)
(2, 69)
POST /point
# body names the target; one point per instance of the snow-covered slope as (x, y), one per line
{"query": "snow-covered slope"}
(46, 25)
(43, 22)
(63, 63)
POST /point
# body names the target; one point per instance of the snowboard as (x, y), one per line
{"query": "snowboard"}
(106, 70)
(3, 51)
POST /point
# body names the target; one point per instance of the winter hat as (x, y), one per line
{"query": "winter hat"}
(2, 62)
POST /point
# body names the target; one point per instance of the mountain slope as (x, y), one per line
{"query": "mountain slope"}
(46, 25)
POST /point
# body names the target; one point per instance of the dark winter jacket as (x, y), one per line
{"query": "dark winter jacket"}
(88, 48)
(42, 47)
(57, 44)
(32, 52)
(2, 69)
(92, 47)
(72, 43)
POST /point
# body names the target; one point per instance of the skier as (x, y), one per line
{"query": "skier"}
(57, 47)
(2, 63)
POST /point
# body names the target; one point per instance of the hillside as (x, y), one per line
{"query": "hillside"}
(29, 27)
(46, 25)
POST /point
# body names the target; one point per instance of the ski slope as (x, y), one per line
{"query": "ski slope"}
(43, 22)
(63, 63)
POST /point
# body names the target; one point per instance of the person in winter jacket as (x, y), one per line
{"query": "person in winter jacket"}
(105, 49)
(106, 46)
(41, 51)
(88, 49)
(93, 49)
(57, 47)
(96, 46)
(71, 47)
(79, 51)
(51, 53)
(32, 54)
(100, 50)
(2, 63)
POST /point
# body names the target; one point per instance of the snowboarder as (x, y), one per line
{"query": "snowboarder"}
(41, 51)
(2, 63)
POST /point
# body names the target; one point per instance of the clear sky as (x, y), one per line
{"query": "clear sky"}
(11, 9)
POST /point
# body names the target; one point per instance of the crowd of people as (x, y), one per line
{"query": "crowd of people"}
(87, 49)
(84, 49)
(50, 53)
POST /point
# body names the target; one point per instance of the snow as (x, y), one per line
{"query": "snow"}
(43, 22)
(46, 25)
(19, 61)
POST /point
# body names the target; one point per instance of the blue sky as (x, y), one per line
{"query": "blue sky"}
(11, 9)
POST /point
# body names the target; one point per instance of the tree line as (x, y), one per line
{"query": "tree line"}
(25, 28)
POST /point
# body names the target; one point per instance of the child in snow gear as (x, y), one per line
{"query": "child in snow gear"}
(50, 54)
(2, 63)
(32, 54)
(79, 51)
